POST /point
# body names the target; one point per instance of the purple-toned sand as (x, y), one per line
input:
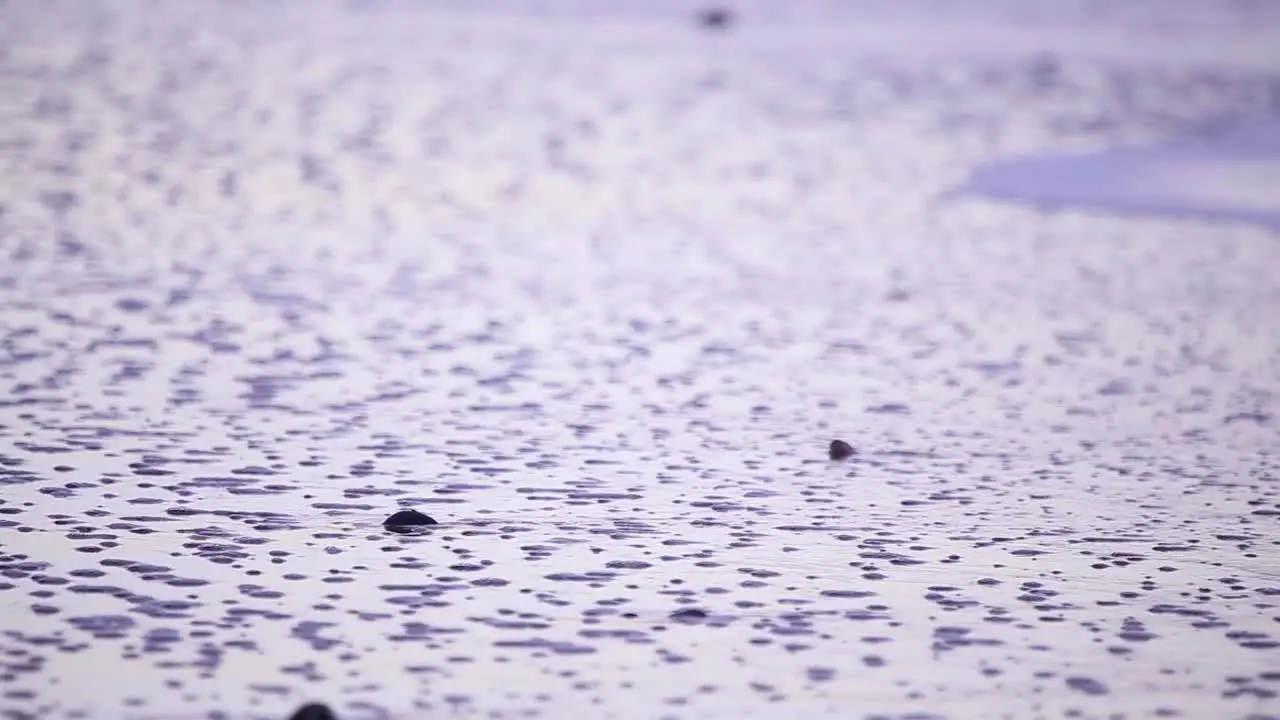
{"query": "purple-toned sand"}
(596, 286)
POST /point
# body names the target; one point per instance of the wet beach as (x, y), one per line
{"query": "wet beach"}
(595, 288)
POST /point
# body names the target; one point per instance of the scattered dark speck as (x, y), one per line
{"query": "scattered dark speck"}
(1086, 685)
(715, 18)
(690, 614)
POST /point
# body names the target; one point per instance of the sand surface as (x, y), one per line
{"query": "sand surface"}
(595, 286)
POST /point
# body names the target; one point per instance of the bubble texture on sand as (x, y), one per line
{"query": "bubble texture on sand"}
(597, 294)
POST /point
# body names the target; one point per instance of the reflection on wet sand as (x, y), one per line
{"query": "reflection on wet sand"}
(1227, 176)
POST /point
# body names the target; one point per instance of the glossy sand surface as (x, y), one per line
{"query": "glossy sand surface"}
(595, 290)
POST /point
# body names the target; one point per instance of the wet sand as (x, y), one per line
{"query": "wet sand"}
(596, 291)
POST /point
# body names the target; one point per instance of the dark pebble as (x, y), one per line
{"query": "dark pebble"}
(316, 711)
(840, 450)
(408, 519)
(688, 614)
(715, 18)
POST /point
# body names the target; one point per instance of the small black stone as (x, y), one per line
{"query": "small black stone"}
(313, 711)
(408, 519)
(690, 614)
(840, 450)
(715, 18)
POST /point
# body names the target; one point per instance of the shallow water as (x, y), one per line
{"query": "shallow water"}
(1233, 174)
(596, 295)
